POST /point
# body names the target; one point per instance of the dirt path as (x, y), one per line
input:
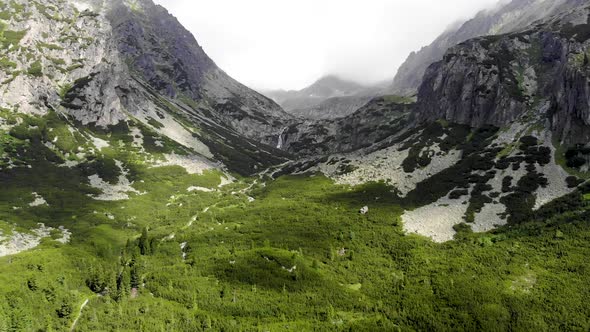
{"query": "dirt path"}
(79, 315)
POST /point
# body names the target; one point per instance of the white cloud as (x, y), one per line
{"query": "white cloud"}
(271, 44)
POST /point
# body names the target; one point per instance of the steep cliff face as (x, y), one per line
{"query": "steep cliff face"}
(570, 87)
(49, 51)
(475, 85)
(541, 71)
(373, 123)
(509, 17)
(167, 56)
(106, 64)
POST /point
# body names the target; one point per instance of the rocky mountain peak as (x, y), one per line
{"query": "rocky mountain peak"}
(327, 98)
(159, 48)
(332, 85)
(540, 71)
(507, 17)
(105, 64)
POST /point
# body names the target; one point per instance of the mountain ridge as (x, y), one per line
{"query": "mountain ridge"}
(144, 189)
(104, 76)
(328, 97)
(508, 17)
(495, 80)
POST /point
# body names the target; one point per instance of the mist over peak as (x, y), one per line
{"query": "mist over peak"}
(287, 45)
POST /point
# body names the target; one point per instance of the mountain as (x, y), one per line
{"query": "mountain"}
(143, 189)
(541, 71)
(507, 17)
(166, 56)
(324, 88)
(327, 98)
(132, 65)
(497, 109)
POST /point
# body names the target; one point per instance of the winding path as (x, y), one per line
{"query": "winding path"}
(79, 315)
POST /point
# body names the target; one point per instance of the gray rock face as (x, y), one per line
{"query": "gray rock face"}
(498, 79)
(60, 48)
(167, 56)
(473, 85)
(510, 17)
(332, 108)
(371, 125)
(101, 63)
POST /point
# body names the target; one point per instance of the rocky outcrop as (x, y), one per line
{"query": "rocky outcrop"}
(570, 88)
(373, 124)
(60, 55)
(497, 80)
(107, 63)
(474, 85)
(509, 17)
(164, 54)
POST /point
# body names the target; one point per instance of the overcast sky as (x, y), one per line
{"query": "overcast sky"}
(288, 44)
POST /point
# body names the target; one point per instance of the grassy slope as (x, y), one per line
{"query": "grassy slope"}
(530, 277)
(353, 271)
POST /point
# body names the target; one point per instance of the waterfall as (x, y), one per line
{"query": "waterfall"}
(280, 143)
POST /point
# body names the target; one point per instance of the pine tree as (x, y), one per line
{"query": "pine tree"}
(315, 264)
(207, 323)
(331, 313)
(4, 320)
(129, 246)
(20, 320)
(98, 279)
(144, 245)
(153, 245)
(223, 292)
(135, 277)
(32, 284)
(65, 310)
(123, 284)
(48, 324)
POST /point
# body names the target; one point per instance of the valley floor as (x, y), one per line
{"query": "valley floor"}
(292, 254)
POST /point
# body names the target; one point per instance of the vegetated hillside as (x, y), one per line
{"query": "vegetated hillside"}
(499, 130)
(112, 65)
(297, 255)
(509, 17)
(126, 205)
